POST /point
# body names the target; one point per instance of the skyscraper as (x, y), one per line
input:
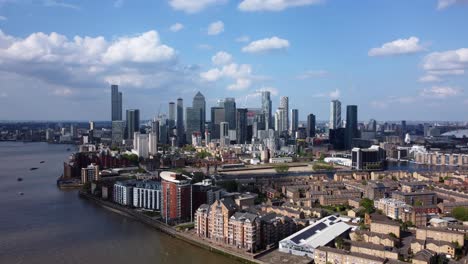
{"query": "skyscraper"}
(180, 122)
(294, 121)
(116, 103)
(133, 122)
(193, 116)
(230, 112)
(172, 116)
(217, 116)
(266, 108)
(335, 114)
(118, 132)
(280, 120)
(284, 103)
(241, 127)
(311, 125)
(200, 103)
(351, 125)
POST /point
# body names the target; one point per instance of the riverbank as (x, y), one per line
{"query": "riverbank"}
(169, 230)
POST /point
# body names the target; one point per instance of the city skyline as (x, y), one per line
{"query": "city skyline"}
(62, 71)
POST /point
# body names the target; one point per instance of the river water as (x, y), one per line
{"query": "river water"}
(48, 225)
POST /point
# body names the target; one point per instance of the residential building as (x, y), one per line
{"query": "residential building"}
(90, 174)
(123, 192)
(176, 197)
(118, 132)
(372, 158)
(416, 198)
(147, 195)
(325, 255)
(267, 109)
(244, 231)
(335, 114)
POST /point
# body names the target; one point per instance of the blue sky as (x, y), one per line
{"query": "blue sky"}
(394, 59)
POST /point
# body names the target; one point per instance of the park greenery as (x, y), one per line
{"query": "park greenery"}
(133, 158)
(281, 168)
(368, 205)
(322, 166)
(202, 154)
(460, 213)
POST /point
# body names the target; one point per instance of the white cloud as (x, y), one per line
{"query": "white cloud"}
(440, 92)
(176, 27)
(442, 4)
(56, 3)
(397, 47)
(447, 61)
(90, 62)
(143, 48)
(334, 94)
(267, 44)
(243, 39)
(430, 78)
(221, 58)
(241, 84)
(241, 74)
(3, 18)
(194, 6)
(312, 74)
(215, 28)
(274, 5)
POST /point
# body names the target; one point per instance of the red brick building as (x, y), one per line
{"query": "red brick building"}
(176, 197)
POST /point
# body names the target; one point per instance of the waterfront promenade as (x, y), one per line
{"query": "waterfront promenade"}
(188, 237)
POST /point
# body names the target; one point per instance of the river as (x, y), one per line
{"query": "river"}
(48, 225)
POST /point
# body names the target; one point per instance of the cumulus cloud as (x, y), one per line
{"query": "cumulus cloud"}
(176, 27)
(193, 6)
(221, 58)
(274, 5)
(334, 94)
(312, 75)
(215, 28)
(440, 92)
(443, 4)
(397, 47)
(447, 62)
(241, 74)
(265, 45)
(91, 62)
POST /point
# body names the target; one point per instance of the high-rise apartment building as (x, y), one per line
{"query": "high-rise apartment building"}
(266, 108)
(284, 103)
(280, 120)
(176, 197)
(118, 132)
(133, 122)
(311, 125)
(116, 103)
(335, 114)
(351, 125)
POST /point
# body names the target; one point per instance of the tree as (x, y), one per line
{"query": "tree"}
(460, 213)
(368, 205)
(230, 186)
(281, 168)
(133, 158)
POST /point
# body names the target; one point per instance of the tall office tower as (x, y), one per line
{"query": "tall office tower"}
(241, 127)
(403, 127)
(280, 120)
(118, 132)
(116, 103)
(266, 108)
(335, 114)
(372, 125)
(180, 122)
(172, 117)
(155, 126)
(351, 125)
(284, 103)
(224, 129)
(230, 112)
(133, 122)
(200, 103)
(311, 125)
(163, 131)
(193, 117)
(91, 125)
(217, 116)
(73, 131)
(294, 121)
